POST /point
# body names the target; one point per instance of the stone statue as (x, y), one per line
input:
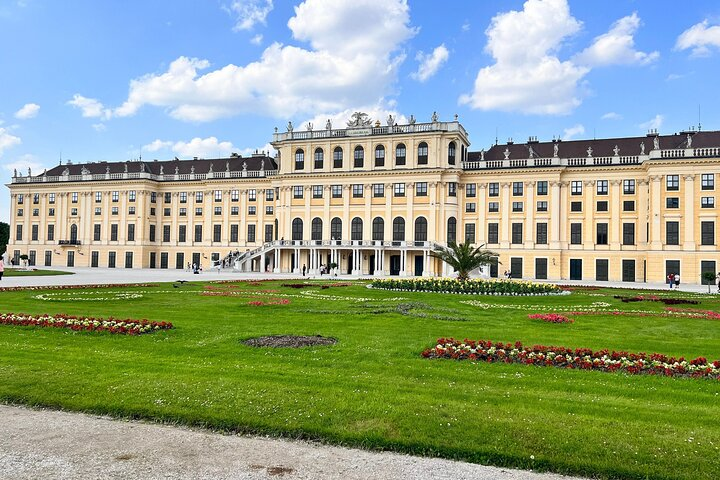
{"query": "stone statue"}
(434, 117)
(192, 170)
(656, 143)
(506, 153)
(210, 170)
(262, 165)
(29, 172)
(328, 125)
(689, 141)
(359, 119)
(66, 172)
(390, 121)
(177, 170)
(589, 151)
(289, 127)
(162, 170)
(411, 121)
(642, 148)
(84, 171)
(107, 170)
(616, 150)
(309, 126)
(531, 152)
(482, 154)
(227, 166)
(244, 166)
(14, 172)
(126, 168)
(556, 147)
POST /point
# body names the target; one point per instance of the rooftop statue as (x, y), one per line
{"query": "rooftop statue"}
(328, 125)
(689, 141)
(359, 119)
(556, 147)
(656, 143)
(642, 148)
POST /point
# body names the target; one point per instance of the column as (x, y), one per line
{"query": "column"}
(505, 206)
(347, 192)
(482, 214)
(434, 233)
(529, 214)
(615, 220)
(588, 212)
(403, 269)
(655, 209)
(643, 214)
(689, 213)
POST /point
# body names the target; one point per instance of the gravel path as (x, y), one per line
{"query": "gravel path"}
(60, 445)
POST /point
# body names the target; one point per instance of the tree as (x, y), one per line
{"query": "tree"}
(709, 279)
(4, 236)
(465, 258)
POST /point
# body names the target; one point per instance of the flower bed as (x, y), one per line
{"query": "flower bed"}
(579, 358)
(70, 287)
(272, 301)
(655, 298)
(90, 324)
(473, 287)
(551, 317)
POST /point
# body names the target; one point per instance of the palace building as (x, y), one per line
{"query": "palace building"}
(376, 199)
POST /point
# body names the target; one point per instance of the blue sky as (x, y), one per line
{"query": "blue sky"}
(92, 80)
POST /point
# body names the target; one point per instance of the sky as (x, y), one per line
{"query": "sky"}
(113, 80)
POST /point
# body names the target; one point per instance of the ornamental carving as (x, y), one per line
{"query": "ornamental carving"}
(359, 119)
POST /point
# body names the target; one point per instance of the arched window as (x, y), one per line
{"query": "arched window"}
(336, 229)
(359, 157)
(378, 229)
(316, 229)
(451, 153)
(379, 156)
(297, 229)
(420, 229)
(422, 154)
(319, 157)
(399, 229)
(400, 154)
(356, 229)
(73, 233)
(337, 157)
(451, 230)
(299, 159)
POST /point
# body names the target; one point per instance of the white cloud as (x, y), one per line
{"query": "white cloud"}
(23, 162)
(611, 116)
(677, 76)
(654, 123)
(99, 127)
(351, 63)
(157, 145)
(700, 37)
(257, 39)
(617, 46)
(465, 27)
(430, 64)
(91, 108)
(573, 131)
(29, 110)
(248, 13)
(267, 148)
(527, 76)
(7, 140)
(379, 111)
(208, 147)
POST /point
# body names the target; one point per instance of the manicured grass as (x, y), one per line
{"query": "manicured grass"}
(372, 388)
(16, 272)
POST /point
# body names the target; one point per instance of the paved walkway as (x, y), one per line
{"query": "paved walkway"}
(59, 445)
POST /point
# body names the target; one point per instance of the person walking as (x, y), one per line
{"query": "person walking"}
(670, 280)
(677, 280)
(304, 269)
(2, 268)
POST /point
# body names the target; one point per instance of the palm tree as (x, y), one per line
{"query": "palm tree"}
(464, 258)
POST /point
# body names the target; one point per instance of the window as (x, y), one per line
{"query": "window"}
(234, 195)
(316, 229)
(268, 232)
(337, 157)
(166, 211)
(20, 198)
(359, 157)
(36, 212)
(542, 206)
(166, 233)
(114, 232)
(493, 207)
(379, 156)
(602, 187)
(452, 189)
(319, 158)
(98, 211)
(234, 233)
(576, 187)
(198, 197)
(336, 229)
(708, 181)
(517, 189)
(469, 233)
(132, 195)
(398, 229)
(707, 233)
(34, 233)
(268, 210)
(576, 206)
(421, 189)
(451, 230)
(400, 154)
(36, 198)
(251, 233)
(337, 191)
(494, 189)
(153, 197)
(111, 259)
(217, 232)
(542, 187)
(183, 197)
(198, 211)
(51, 233)
(217, 211)
(299, 159)
(252, 195)
(115, 196)
(451, 153)
(357, 191)
(422, 158)
(672, 233)
(252, 210)
(493, 233)
(74, 211)
(707, 202)
(517, 233)
(672, 182)
(51, 198)
(470, 207)
(269, 195)
(218, 195)
(672, 202)
(602, 206)
(20, 212)
(182, 234)
(576, 233)
(114, 211)
(399, 190)
(421, 229)
(378, 229)
(517, 206)
(629, 187)
(18, 233)
(601, 237)
(131, 232)
(541, 233)
(317, 191)
(356, 229)
(297, 229)
(152, 233)
(75, 197)
(297, 191)
(378, 190)
(183, 212)
(628, 234)
(628, 206)
(98, 197)
(470, 189)
(198, 233)
(131, 210)
(168, 197)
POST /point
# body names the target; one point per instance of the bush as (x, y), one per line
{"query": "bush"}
(474, 287)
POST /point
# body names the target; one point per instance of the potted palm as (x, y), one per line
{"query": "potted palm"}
(465, 258)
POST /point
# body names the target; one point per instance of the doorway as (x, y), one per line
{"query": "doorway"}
(419, 265)
(628, 270)
(575, 269)
(394, 264)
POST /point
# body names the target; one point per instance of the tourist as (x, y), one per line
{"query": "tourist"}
(304, 269)
(670, 280)
(322, 269)
(677, 280)
(2, 268)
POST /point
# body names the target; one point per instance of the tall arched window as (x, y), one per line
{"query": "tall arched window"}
(400, 154)
(319, 157)
(451, 230)
(451, 153)
(316, 229)
(421, 229)
(422, 158)
(299, 159)
(337, 157)
(356, 228)
(297, 229)
(379, 156)
(399, 229)
(378, 229)
(336, 229)
(359, 157)
(73, 233)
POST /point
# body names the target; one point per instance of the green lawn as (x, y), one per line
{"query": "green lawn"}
(372, 389)
(34, 272)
